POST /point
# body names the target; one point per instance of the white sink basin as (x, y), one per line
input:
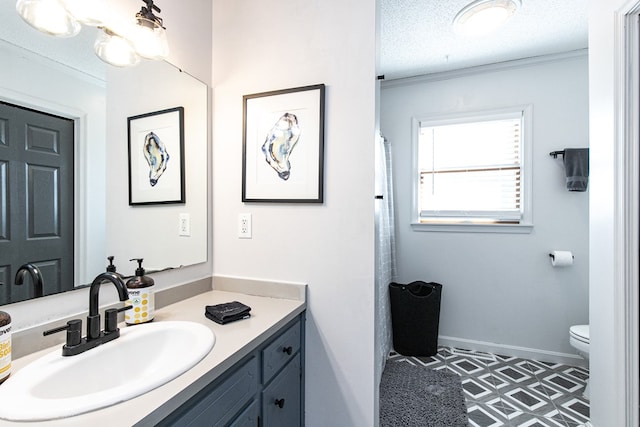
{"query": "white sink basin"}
(145, 356)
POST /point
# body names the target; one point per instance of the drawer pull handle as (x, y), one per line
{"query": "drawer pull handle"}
(279, 403)
(288, 350)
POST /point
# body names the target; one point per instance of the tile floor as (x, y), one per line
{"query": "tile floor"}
(508, 391)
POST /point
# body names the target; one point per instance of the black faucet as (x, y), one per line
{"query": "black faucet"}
(93, 319)
(75, 343)
(36, 277)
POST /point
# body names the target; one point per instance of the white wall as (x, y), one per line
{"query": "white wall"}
(263, 46)
(500, 289)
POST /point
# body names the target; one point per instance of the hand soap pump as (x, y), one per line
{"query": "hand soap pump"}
(112, 268)
(141, 297)
(5, 346)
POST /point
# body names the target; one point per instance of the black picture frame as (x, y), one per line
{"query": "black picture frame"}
(156, 157)
(283, 146)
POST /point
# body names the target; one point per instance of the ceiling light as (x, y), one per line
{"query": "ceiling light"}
(48, 16)
(484, 16)
(114, 49)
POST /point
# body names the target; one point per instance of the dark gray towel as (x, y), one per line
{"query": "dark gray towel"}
(576, 166)
(227, 312)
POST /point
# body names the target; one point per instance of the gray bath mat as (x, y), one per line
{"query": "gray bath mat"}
(418, 396)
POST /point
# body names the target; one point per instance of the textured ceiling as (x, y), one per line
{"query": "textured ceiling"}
(416, 36)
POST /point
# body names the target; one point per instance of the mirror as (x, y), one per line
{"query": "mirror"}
(63, 77)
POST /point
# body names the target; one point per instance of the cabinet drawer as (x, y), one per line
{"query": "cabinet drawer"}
(221, 401)
(248, 417)
(281, 400)
(280, 351)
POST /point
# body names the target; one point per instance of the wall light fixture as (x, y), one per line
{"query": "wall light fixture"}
(150, 38)
(48, 16)
(114, 49)
(120, 43)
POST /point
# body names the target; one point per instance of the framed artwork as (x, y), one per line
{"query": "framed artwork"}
(283, 146)
(156, 157)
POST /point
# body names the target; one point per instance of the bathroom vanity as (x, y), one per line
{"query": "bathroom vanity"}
(254, 375)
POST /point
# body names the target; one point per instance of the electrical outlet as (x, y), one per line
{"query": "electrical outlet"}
(184, 224)
(244, 226)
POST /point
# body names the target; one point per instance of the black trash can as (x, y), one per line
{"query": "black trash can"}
(415, 315)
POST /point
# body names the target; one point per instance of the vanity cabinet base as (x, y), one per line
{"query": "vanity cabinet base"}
(264, 389)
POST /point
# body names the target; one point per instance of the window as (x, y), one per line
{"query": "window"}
(471, 170)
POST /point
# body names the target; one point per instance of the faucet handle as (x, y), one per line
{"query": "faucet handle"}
(111, 318)
(74, 332)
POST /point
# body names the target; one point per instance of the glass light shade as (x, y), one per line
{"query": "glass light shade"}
(88, 12)
(150, 39)
(48, 16)
(115, 50)
(484, 16)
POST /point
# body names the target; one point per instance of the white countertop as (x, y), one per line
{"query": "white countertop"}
(233, 341)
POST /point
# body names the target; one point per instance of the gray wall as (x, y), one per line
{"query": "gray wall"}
(500, 291)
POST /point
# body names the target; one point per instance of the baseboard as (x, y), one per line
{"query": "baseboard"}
(514, 351)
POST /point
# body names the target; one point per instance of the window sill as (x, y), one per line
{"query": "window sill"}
(474, 228)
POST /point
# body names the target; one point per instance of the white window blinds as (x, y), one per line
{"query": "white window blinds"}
(472, 170)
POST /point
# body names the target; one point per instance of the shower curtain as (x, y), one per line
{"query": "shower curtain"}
(385, 250)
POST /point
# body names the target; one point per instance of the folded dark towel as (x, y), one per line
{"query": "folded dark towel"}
(227, 312)
(576, 166)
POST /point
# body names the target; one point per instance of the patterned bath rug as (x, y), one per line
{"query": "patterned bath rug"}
(420, 397)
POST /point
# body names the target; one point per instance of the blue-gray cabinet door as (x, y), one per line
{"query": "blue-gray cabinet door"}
(248, 417)
(36, 190)
(281, 400)
(278, 353)
(218, 404)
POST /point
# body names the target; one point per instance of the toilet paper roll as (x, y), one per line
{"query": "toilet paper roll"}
(561, 258)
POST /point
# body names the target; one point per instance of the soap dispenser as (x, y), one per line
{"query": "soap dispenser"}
(141, 297)
(5, 346)
(112, 268)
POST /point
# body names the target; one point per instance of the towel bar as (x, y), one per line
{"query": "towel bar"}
(555, 154)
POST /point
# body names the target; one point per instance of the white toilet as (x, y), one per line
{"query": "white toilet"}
(579, 339)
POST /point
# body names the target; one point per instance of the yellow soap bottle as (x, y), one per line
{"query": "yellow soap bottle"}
(141, 297)
(5, 346)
